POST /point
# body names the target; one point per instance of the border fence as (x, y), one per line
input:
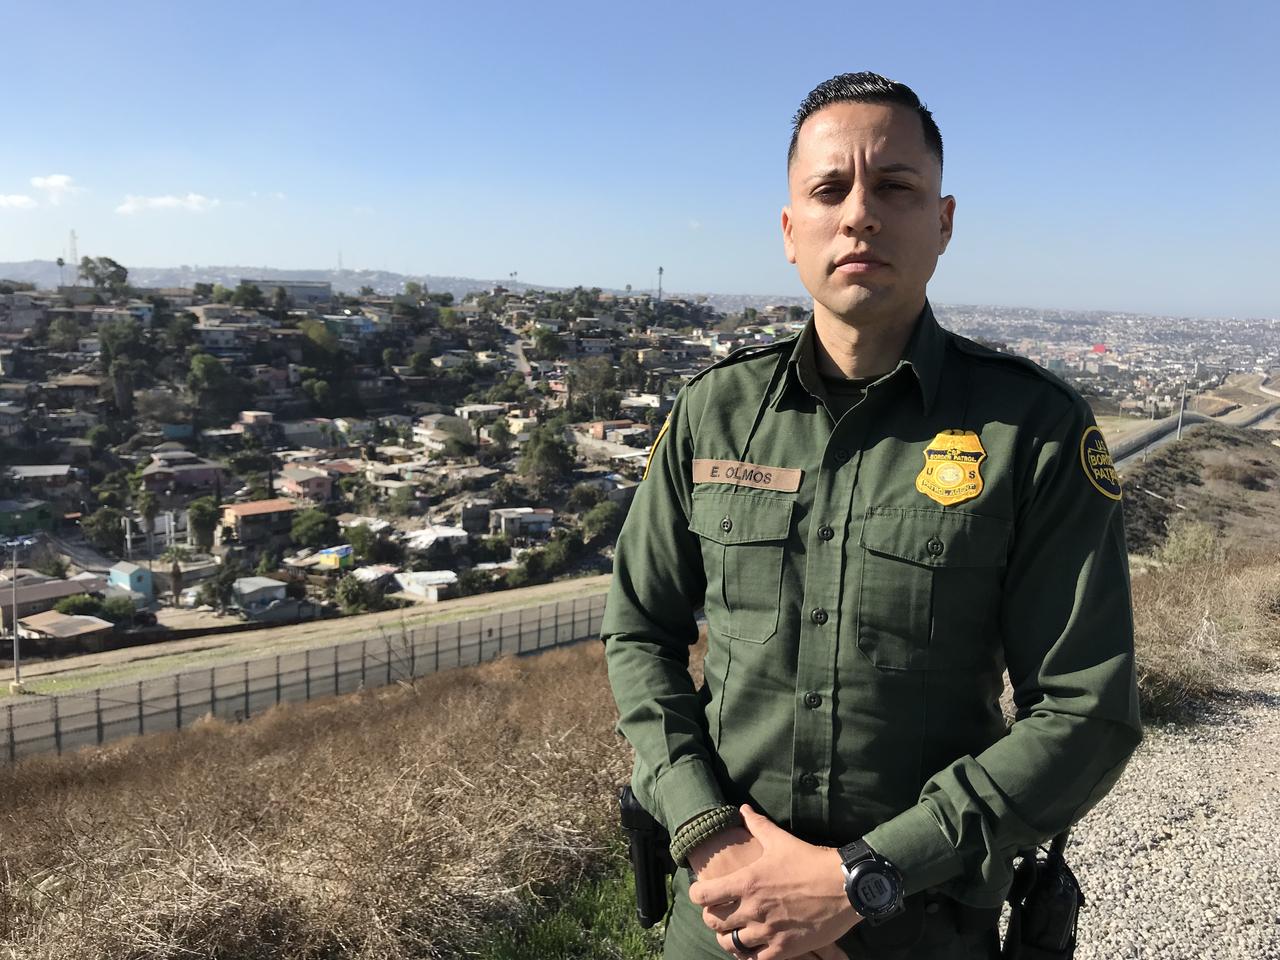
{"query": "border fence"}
(57, 723)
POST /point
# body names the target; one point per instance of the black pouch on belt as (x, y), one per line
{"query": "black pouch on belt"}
(1045, 902)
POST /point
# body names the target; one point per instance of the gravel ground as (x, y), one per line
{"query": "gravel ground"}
(1182, 858)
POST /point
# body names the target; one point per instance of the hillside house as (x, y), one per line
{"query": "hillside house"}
(258, 521)
(132, 578)
(512, 522)
(305, 483)
(174, 471)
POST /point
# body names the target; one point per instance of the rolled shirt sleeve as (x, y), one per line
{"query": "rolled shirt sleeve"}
(649, 626)
(1068, 642)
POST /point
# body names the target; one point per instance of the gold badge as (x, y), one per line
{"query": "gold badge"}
(952, 462)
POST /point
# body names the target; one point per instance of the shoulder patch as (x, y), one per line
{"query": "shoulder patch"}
(749, 352)
(654, 449)
(1096, 460)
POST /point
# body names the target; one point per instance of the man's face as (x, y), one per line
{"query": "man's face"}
(863, 183)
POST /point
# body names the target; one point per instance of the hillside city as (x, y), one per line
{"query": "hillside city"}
(276, 450)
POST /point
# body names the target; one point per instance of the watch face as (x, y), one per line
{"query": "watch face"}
(874, 891)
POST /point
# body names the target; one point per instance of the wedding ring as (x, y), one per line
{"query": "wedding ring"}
(742, 947)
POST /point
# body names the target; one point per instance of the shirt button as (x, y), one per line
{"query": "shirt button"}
(819, 616)
(934, 546)
(932, 906)
(842, 456)
(726, 524)
(813, 700)
(809, 782)
(825, 533)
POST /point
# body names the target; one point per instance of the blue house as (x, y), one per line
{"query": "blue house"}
(131, 577)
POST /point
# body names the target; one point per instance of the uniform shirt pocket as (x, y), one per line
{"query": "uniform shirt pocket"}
(929, 593)
(743, 539)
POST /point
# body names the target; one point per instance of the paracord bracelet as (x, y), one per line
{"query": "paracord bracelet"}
(700, 828)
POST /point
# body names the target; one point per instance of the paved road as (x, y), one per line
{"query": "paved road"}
(1162, 431)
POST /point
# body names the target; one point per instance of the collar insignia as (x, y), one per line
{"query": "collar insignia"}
(952, 463)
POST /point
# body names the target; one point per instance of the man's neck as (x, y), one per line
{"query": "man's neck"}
(860, 349)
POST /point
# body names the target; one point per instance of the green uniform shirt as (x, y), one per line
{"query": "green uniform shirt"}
(866, 579)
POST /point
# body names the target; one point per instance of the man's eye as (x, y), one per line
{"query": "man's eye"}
(896, 186)
(829, 193)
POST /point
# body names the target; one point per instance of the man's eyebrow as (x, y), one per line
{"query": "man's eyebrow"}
(887, 168)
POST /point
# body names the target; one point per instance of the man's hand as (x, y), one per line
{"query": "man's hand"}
(788, 902)
(724, 852)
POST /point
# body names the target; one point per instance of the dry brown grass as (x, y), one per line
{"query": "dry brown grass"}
(401, 822)
(1203, 616)
(411, 821)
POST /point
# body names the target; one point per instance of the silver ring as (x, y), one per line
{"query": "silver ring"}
(742, 947)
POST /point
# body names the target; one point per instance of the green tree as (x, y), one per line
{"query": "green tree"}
(99, 437)
(221, 294)
(119, 610)
(104, 528)
(355, 596)
(202, 519)
(121, 381)
(248, 295)
(602, 522)
(583, 497)
(548, 344)
(79, 605)
(500, 435)
(314, 528)
(412, 288)
(105, 274)
(546, 460)
(148, 508)
(64, 333)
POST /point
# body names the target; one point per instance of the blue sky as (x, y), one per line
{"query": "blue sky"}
(1103, 155)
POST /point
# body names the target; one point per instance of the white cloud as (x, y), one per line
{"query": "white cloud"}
(192, 202)
(58, 186)
(695, 225)
(16, 201)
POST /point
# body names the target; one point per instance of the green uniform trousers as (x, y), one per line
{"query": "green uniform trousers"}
(688, 938)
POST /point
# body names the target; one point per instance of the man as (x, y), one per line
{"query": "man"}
(878, 517)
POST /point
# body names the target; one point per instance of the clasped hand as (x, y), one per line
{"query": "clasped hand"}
(785, 897)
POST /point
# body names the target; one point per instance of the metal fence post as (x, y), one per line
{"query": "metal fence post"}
(436, 645)
(457, 636)
(97, 713)
(177, 699)
(213, 692)
(13, 742)
(413, 654)
(141, 723)
(335, 669)
(388, 642)
(306, 672)
(57, 725)
(246, 689)
(364, 660)
(278, 679)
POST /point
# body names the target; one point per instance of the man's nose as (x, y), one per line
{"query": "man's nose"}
(857, 215)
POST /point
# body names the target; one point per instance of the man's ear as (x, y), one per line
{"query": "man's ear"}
(788, 243)
(946, 220)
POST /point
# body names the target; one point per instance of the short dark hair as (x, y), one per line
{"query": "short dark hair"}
(864, 88)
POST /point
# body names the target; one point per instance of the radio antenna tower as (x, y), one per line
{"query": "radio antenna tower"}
(659, 284)
(74, 257)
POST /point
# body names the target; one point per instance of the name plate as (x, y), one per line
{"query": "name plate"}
(782, 479)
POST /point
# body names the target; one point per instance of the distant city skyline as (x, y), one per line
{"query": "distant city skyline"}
(1103, 157)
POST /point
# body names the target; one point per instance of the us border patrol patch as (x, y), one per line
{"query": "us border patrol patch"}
(952, 467)
(1096, 459)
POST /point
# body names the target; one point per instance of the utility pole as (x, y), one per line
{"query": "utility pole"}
(1181, 407)
(659, 284)
(14, 544)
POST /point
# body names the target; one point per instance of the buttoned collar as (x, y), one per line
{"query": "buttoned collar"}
(923, 355)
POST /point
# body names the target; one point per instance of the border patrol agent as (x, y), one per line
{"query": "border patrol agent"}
(878, 518)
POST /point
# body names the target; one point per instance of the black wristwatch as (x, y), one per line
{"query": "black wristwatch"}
(872, 883)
